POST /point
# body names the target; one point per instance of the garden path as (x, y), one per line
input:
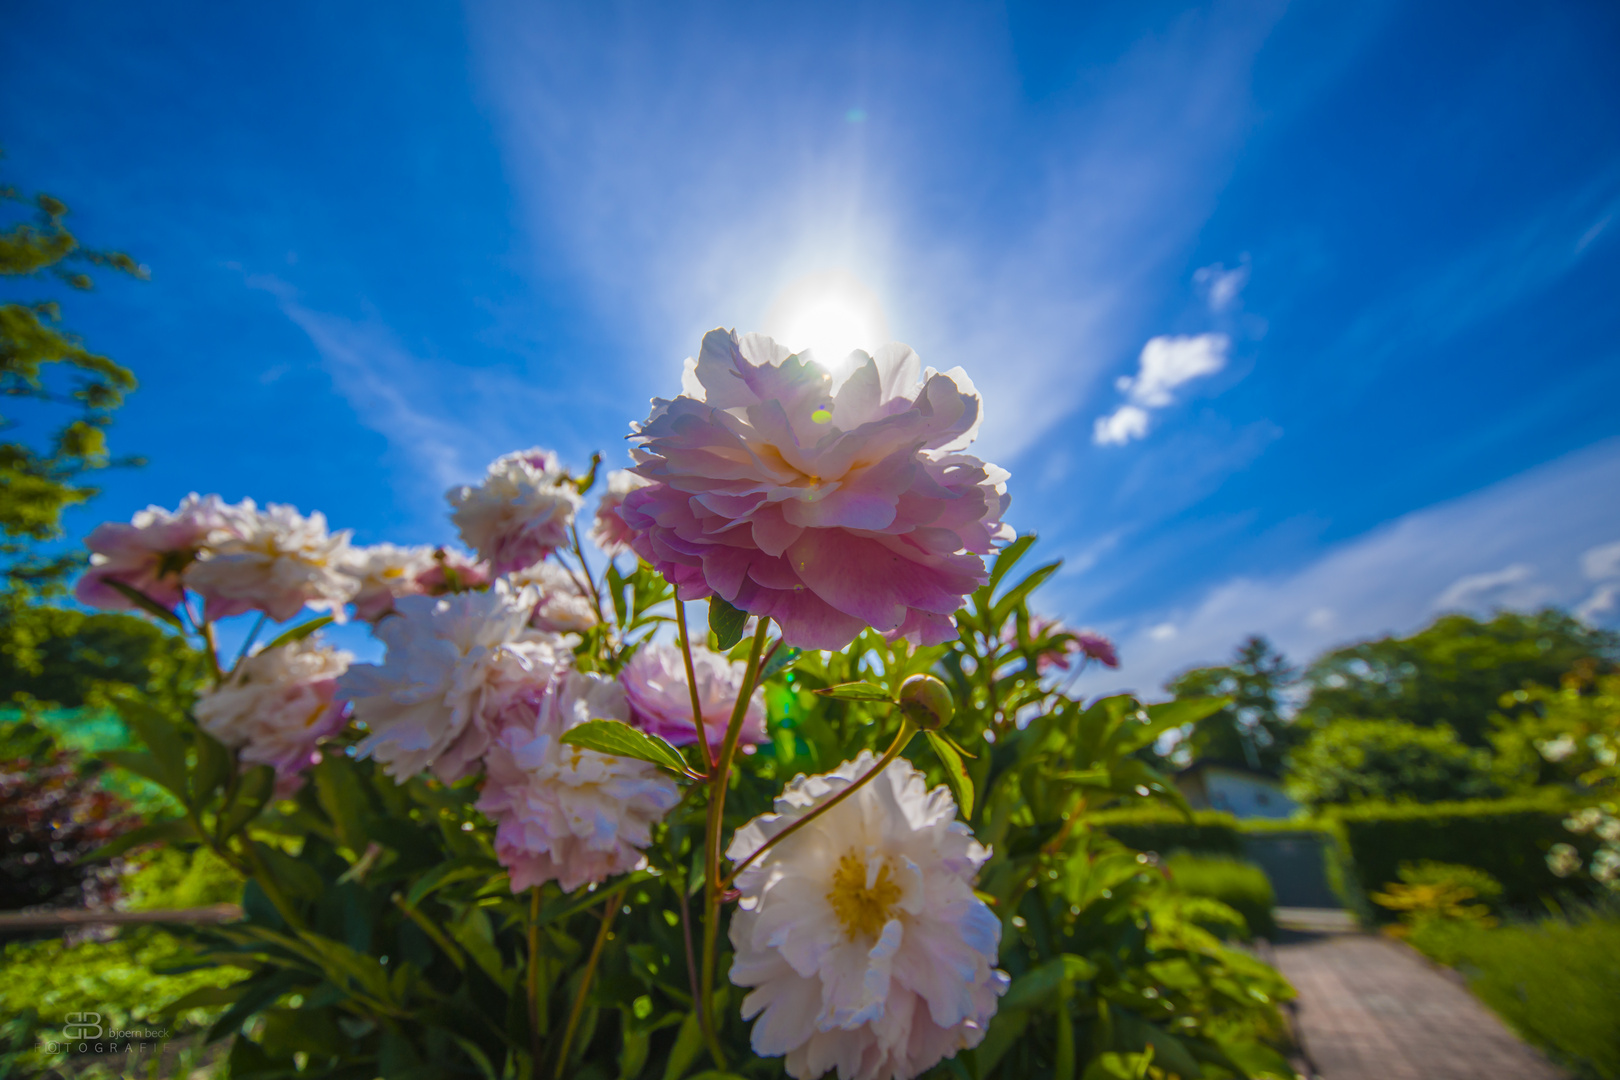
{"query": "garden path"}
(1373, 1009)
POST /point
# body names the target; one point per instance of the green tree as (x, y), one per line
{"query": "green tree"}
(1351, 761)
(1251, 732)
(43, 364)
(1453, 672)
(73, 659)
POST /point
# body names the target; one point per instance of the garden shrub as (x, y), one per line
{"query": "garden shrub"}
(1506, 838)
(1241, 886)
(1208, 832)
(1445, 892)
(1355, 761)
(1555, 982)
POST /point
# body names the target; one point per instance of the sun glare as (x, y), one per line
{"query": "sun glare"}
(831, 314)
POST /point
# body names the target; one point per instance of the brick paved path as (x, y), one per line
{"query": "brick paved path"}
(1372, 1009)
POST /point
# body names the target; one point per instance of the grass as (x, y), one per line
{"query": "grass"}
(1555, 982)
(1239, 885)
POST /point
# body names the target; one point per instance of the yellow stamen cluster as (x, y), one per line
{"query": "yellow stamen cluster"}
(862, 909)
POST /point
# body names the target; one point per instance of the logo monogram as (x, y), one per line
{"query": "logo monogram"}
(82, 1025)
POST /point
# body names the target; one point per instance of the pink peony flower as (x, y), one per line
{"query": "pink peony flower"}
(521, 513)
(275, 561)
(1096, 647)
(276, 707)
(1088, 643)
(827, 507)
(150, 553)
(386, 572)
(453, 571)
(609, 532)
(660, 703)
(563, 813)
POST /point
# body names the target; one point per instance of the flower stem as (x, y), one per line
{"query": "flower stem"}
(533, 974)
(253, 635)
(213, 651)
(596, 595)
(901, 738)
(718, 777)
(585, 982)
(691, 687)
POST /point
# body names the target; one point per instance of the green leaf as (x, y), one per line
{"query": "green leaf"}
(213, 769)
(162, 737)
(253, 790)
(1009, 557)
(145, 603)
(260, 995)
(1037, 988)
(444, 874)
(956, 774)
(1164, 717)
(145, 765)
(299, 632)
(337, 788)
(167, 831)
(687, 1049)
(780, 660)
(726, 622)
(620, 739)
(1018, 593)
(857, 691)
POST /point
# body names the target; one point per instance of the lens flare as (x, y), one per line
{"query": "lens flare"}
(831, 314)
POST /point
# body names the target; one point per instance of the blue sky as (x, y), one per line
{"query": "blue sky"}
(1349, 270)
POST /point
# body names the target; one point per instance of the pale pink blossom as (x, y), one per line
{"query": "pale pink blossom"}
(661, 703)
(452, 571)
(1060, 644)
(276, 706)
(564, 606)
(452, 665)
(150, 553)
(520, 513)
(275, 561)
(384, 573)
(608, 531)
(563, 813)
(827, 507)
(860, 936)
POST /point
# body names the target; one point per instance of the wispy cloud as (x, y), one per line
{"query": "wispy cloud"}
(1165, 364)
(1530, 540)
(1221, 287)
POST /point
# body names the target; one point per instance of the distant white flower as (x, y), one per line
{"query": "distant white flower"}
(520, 513)
(452, 663)
(563, 607)
(1558, 749)
(274, 561)
(384, 573)
(1563, 859)
(564, 813)
(655, 680)
(276, 706)
(860, 934)
(150, 552)
(608, 531)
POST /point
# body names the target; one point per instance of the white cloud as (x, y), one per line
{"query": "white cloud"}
(1163, 632)
(1493, 586)
(1221, 286)
(1601, 562)
(1120, 426)
(1476, 550)
(1166, 363)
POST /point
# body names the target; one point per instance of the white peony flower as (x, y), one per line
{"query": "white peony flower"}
(608, 530)
(384, 573)
(274, 561)
(276, 706)
(860, 935)
(563, 607)
(564, 813)
(151, 552)
(452, 664)
(520, 513)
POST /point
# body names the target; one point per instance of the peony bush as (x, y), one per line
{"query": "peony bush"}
(558, 830)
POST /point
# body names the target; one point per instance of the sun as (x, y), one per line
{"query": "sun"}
(830, 314)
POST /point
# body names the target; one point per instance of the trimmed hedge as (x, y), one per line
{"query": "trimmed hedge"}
(1506, 838)
(1241, 886)
(1209, 833)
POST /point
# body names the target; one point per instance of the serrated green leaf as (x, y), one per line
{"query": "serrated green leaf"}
(620, 739)
(144, 602)
(726, 622)
(956, 774)
(299, 632)
(856, 691)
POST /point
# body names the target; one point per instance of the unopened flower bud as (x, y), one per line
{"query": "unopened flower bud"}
(926, 702)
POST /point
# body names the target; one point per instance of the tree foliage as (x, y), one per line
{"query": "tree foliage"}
(1353, 761)
(1453, 672)
(44, 364)
(1251, 732)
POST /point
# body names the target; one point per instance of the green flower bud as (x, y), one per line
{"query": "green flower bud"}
(926, 702)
